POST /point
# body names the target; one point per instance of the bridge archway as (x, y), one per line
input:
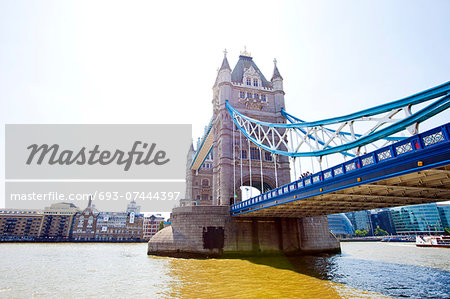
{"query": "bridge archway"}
(268, 184)
(257, 185)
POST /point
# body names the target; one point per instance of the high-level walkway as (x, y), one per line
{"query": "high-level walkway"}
(412, 171)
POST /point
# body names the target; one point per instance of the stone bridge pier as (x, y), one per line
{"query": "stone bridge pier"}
(210, 231)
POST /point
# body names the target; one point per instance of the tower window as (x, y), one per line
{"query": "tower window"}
(243, 154)
(249, 95)
(255, 82)
(263, 97)
(268, 156)
(242, 94)
(249, 81)
(254, 153)
(256, 96)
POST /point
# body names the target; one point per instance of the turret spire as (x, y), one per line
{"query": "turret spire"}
(276, 72)
(225, 64)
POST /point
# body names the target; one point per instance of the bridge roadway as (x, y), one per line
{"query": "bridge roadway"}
(412, 171)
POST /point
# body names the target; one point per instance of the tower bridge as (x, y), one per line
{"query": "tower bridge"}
(253, 141)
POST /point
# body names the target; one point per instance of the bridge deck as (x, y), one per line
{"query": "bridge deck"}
(413, 171)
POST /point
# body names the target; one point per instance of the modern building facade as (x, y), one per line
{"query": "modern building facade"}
(444, 214)
(340, 225)
(360, 220)
(418, 219)
(383, 220)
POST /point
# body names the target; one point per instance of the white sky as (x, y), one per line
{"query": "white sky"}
(156, 62)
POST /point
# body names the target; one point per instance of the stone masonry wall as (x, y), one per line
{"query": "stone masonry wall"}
(211, 231)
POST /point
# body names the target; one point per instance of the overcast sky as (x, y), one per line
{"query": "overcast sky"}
(156, 62)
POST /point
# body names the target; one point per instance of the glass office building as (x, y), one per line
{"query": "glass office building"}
(383, 220)
(360, 220)
(417, 219)
(340, 225)
(444, 213)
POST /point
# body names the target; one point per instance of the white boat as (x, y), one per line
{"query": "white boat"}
(433, 241)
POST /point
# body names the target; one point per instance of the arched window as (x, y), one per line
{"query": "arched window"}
(205, 182)
(81, 221)
(249, 81)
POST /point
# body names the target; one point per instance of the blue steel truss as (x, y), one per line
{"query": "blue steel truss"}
(431, 148)
(319, 139)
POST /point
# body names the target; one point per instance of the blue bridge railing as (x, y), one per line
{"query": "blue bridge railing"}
(376, 159)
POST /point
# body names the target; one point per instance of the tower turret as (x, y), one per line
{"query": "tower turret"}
(224, 74)
(276, 80)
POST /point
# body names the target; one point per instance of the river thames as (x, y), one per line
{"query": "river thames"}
(363, 270)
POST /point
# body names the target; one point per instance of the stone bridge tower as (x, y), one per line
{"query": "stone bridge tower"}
(208, 229)
(247, 90)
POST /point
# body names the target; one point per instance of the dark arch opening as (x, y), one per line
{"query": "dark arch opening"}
(257, 185)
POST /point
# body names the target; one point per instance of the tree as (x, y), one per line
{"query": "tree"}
(380, 232)
(161, 225)
(447, 230)
(361, 233)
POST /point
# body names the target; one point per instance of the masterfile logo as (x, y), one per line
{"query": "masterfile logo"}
(108, 163)
(94, 156)
(96, 151)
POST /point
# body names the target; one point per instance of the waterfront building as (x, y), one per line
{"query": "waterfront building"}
(120, 226)
(85, 223)
(135, 222)
(418, 219)
(151, 225)
(383, 220)
(340, 225)
(133, 208)
(360, 220)
(20, 224)
(111, 226)
(58, 221)
(444, 214)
